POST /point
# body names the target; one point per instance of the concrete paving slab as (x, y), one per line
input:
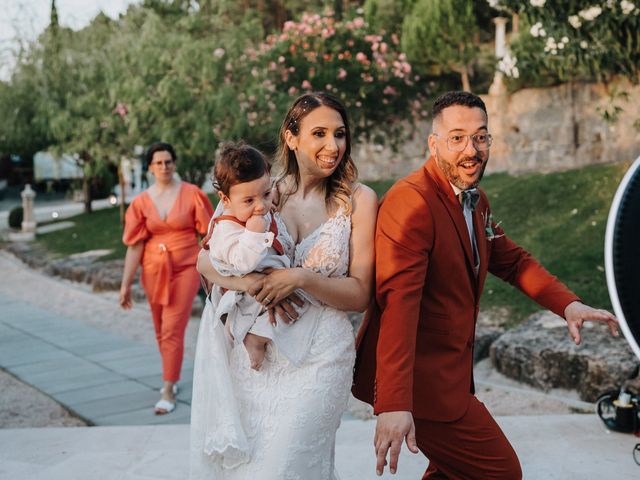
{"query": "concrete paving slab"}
(42, 367)
(52, 387)
(112, 404)
(97, 346)
(563, 447)
(98, 392)
(145, 416)
(74, 366)
(131, 351)
(28, 357)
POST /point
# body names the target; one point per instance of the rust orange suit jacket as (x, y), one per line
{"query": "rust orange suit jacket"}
(415, 347)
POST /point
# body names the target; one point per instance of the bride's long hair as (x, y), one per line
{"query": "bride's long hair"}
(339, 185)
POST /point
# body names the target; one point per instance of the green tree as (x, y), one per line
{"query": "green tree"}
(442, 36)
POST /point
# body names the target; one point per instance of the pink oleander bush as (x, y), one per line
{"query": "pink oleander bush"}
(365, 69)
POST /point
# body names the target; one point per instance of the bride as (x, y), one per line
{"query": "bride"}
(280, 422)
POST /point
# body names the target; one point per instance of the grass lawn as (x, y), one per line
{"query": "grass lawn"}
(559, 217)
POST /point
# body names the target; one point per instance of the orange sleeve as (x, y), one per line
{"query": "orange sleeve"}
(135, 224)
(404, 237)
(203, 211)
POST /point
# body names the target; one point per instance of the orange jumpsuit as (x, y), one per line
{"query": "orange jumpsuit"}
(169, 276)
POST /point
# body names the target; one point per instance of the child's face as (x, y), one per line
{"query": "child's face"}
(248, 198)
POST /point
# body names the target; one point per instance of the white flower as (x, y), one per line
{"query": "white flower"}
(507, 65)
(627, 7)
(536, 30)
(493, 3)
(565, 39)
(537, 3)
(551, 46)
(590, 13)
(575, 22)
(218, 52)
(584, 44)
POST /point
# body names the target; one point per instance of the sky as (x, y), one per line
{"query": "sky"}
(26, 19)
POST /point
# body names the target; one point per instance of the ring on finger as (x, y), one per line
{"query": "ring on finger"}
(267, 300)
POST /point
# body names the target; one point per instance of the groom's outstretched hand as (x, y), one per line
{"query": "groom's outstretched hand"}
(391, 429)
(576, 313)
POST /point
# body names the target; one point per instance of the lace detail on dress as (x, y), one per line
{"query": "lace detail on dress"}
(325, 250)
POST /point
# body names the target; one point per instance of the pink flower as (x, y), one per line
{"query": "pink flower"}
(342, 74)
(383, 47)
(292, 91)
(121, 109)
(306, 85)
(389, 90)
(362, 58)
(358, 22)
(394, 39)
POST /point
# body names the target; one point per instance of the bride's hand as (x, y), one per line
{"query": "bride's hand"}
(278, 284)
(285, 309)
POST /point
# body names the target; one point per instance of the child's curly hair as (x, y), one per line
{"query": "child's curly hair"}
(238, 163)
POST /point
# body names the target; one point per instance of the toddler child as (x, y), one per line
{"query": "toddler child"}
(243, 240)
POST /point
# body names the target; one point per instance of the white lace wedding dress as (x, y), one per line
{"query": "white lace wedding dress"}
(278, 423)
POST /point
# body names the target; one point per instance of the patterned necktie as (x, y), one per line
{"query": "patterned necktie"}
(469, 198)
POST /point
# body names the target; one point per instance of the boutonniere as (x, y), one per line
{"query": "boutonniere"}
(489, 225)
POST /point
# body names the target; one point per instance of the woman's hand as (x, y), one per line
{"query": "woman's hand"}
(125, 297)
(277, 285)
(276, 291)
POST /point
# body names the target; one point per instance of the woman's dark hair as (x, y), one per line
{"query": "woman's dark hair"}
(159, 147)
(238, 163)
(338, 186)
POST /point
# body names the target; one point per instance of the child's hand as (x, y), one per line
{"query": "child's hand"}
(256, 223)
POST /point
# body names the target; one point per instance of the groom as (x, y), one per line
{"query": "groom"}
(435, 241)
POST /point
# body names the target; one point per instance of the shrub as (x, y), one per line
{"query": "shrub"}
(582, 39)
(16, 216)
(363, 67)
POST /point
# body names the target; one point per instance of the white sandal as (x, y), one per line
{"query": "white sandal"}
(164, 406)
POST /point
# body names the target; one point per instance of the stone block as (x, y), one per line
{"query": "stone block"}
(541, 353)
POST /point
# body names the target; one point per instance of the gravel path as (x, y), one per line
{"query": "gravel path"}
(23, 406)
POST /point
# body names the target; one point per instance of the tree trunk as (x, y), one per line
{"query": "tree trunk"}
(464, 74)
(86, 194)
(122, 193)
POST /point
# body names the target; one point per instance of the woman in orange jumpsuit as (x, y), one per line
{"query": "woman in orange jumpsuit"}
(161, 231)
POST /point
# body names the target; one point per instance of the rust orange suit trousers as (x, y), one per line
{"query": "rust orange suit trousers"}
(470, 448)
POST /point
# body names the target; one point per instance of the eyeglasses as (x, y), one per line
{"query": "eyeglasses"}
(457, 143)
(165, 163)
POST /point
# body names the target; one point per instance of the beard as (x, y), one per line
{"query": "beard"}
(451, 173)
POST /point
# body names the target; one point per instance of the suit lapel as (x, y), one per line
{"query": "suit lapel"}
(449, 200)
(481, 240)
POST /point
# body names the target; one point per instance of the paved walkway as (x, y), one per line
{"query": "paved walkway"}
(564, 447)
(111, 379)
(105, 378)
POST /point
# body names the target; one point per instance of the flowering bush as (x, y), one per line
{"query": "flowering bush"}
(365, 69)
(582, 39)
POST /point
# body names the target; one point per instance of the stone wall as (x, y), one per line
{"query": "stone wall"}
(535, 129)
